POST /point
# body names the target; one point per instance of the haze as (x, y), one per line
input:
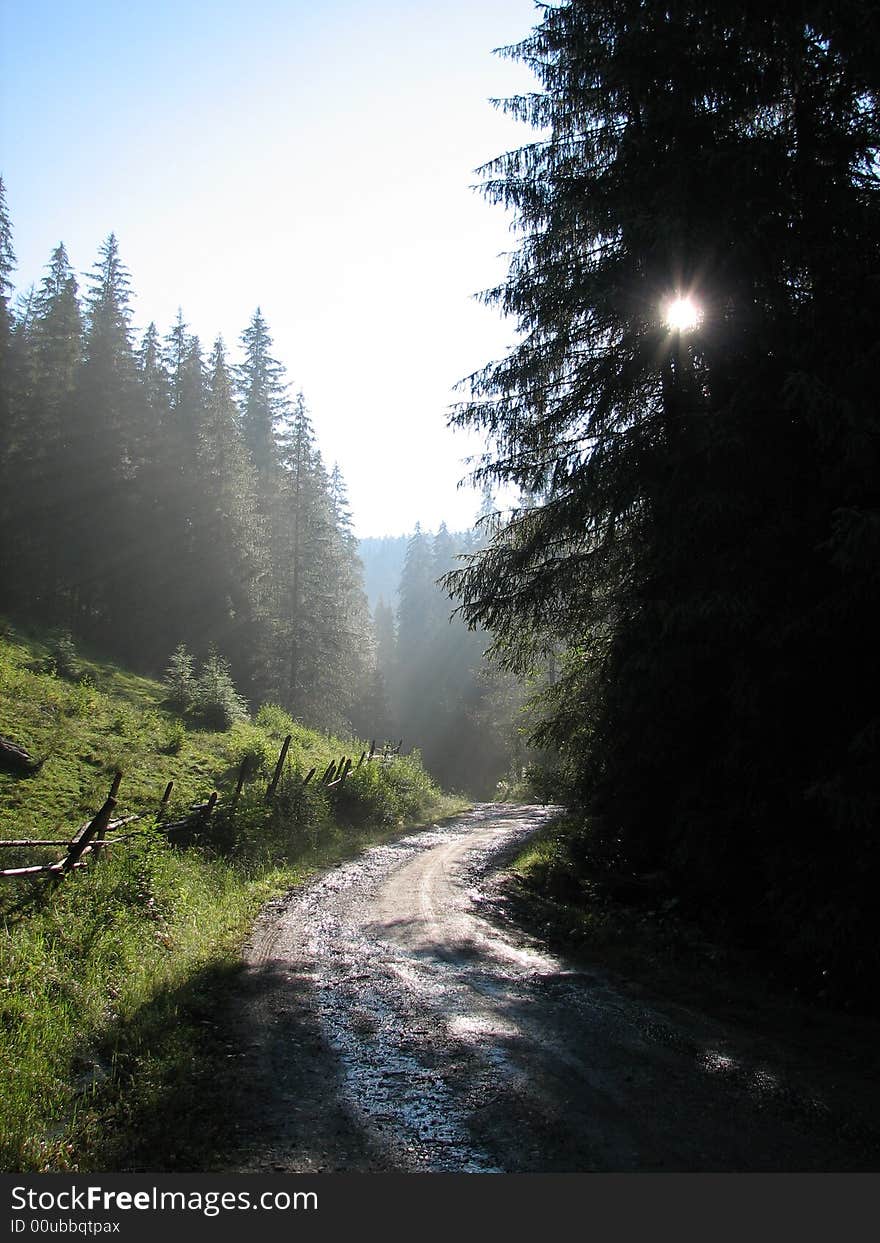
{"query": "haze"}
(315, 160)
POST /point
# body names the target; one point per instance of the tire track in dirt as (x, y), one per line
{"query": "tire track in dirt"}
(391, 1021)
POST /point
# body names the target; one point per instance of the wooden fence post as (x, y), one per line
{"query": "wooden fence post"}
(242, 773)
(270, 793)
(102, 830)
(95, 828)
(163, 804)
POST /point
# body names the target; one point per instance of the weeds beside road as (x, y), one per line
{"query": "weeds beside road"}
(105, 980)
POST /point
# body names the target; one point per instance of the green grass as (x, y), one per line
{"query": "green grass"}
(104, 978)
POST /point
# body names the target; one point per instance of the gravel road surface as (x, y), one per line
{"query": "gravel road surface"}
(394, 1018)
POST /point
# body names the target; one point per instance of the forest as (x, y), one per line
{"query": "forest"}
(469, 716)
(155, 495)
(171, 508)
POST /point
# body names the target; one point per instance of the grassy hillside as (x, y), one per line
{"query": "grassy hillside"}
(103, 977)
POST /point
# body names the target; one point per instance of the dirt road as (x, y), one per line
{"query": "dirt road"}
(393, 1019)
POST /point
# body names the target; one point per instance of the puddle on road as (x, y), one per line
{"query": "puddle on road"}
(404, 1102)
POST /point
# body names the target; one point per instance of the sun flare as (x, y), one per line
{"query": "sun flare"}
(682, 314)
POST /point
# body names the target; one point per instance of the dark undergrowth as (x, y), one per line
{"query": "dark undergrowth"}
(643, 924)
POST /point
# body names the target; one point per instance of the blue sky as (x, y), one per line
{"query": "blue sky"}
(313, 159)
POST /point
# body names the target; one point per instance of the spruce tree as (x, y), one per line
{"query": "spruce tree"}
(308, 641)
(41, 484)
(151, 627)
(263, 393)
(7, 267)
(232, 557)
(702, 500)
(101, 516)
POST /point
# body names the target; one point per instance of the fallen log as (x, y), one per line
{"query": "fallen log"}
(48, 869)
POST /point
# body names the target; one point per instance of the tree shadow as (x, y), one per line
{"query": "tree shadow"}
(229, 1073)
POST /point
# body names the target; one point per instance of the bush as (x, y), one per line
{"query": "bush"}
(275, 721)
(175, 734)
(247, 742)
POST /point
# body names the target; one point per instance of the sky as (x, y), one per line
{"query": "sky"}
(314, 159)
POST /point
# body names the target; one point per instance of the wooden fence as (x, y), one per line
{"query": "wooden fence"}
(91, 838)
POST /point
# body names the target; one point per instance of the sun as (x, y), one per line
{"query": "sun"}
(682, 314)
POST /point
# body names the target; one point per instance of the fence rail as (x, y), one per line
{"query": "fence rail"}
(91, 838)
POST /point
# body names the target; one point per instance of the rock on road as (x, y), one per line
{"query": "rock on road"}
(390, 1019)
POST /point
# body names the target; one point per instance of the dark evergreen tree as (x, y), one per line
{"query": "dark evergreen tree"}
(263, 392)
(704, 501)
(7, 267)
(324, 633)
(232, 558)
(40, 483)
(152, 627)
(102, 519)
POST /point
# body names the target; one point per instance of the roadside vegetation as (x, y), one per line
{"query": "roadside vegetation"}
(105, 978)
(565, 887)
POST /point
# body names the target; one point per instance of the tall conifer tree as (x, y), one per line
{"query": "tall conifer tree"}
(703, 500)
(263, 392)
(42, 485)
(103, 445)
(7, 267)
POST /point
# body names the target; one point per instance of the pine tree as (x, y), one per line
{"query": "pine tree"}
(360, 686)
(308, 638)
(263, 392)
(151, 627)
(103, 445)
(230, 541)
(694, 492)
(40, 479)
(7, 267)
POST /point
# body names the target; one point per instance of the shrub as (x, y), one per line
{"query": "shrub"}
(274, 720)
(175, 735)
(248, 742)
